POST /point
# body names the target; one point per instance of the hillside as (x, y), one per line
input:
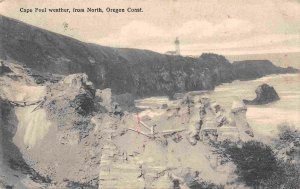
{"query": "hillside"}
(140, 72)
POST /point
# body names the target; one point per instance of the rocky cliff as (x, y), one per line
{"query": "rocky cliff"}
(139, 72)
(67, 134)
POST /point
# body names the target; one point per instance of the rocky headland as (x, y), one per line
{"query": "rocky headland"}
(141, 73)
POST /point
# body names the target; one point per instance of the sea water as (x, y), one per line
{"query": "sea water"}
(264, 119)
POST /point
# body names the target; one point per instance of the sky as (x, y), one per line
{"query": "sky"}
(229, 27)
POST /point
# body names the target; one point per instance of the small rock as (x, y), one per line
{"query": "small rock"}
(4, 69)
(116, 109)
(164, 106)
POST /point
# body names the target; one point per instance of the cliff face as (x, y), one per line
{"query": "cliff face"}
(140, 72)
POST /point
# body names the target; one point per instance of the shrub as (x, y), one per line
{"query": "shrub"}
(255, 162)
(287, 146)
(257, 165)
(205, 185)
(287, 177)
(287, 133)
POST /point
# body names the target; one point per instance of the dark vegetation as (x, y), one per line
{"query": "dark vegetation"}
(287, 134)
(261, 166)
(255, 162)
(287, 147)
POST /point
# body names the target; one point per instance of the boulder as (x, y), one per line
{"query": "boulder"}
(79, 81)
(264, 94)
(4, 69)
(81, 91)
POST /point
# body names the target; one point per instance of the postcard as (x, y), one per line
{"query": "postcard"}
(149, 94)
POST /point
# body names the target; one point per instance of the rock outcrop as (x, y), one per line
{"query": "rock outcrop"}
(84, 101)
(214, 125)
(54, 119)
(238, 115)
(264, 94)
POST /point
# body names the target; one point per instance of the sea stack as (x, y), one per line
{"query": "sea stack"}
(264, 94)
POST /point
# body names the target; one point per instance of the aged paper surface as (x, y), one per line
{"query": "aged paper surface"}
(160, 94)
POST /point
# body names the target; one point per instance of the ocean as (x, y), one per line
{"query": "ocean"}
(263, 119)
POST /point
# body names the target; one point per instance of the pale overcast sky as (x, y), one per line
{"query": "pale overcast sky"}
(220, 26)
